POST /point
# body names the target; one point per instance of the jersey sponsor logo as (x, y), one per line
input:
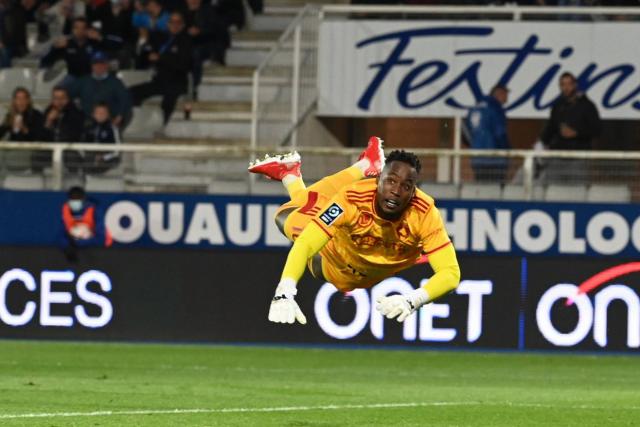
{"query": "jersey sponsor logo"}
(332, 213)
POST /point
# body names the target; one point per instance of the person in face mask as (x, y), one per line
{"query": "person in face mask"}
(83, 224)
(103, 86)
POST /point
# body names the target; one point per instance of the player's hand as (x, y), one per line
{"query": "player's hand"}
(395, 305)
(284, 308)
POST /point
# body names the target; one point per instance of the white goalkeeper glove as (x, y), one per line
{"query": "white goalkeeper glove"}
(401, 306)
(284, 308)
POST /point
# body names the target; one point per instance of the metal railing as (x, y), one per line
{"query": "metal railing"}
(197, 168)
(514, 12)
(284, 84)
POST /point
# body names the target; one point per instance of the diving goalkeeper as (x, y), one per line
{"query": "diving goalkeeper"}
(358, 227)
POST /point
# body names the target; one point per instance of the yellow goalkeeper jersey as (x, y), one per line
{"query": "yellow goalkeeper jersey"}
(364, 248)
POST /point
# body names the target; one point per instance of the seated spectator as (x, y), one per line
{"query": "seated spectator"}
(232, 11)
(35, 12)
(64, 122)
(62, 14)
(150, 16)
(171, 58)
(209, 35)
(121, 26)
(77, 50)
(101, 131)
(257, 6)
(98, 13)
(83, 224)
(13, 32)
(102, 86)
(23, 123)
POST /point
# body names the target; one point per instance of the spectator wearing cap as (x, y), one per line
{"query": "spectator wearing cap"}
(77, 50)
(82, 223)
(485, 128)
(171, 59)
(103, 86)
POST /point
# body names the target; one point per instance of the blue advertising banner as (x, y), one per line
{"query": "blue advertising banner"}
(246, 222)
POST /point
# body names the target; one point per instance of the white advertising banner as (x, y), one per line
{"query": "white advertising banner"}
(439, 68)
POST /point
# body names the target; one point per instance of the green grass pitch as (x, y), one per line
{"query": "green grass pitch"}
(87, 384)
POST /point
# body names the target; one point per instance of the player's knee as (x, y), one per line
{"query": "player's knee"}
(281, 219)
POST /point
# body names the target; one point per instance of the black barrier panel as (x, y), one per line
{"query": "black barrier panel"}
(606, 317)
(211, 296)
(180, 295)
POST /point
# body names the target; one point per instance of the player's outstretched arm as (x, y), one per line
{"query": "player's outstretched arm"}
(446, 279)
(284, 308)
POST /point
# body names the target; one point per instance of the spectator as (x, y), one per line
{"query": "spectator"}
(13, 32)
(98, 13)
(151, 17)
(62, 14)
(104, 87)
(83, 224)
(121, 26)
(23, 123)
(76, 50)
(101, 131)
(64, 122)
(172, 62)
(210, 36)
(573, 125)
(257, 6)
(232, 12)
(486, 128)
(35, 12)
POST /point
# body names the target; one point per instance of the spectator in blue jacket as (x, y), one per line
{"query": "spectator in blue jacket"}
(486, 128)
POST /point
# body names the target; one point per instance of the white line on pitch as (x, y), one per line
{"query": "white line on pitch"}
(297, 408)
(234, 410)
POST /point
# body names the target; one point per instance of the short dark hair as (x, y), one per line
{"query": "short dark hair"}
(568, 74)
(405, 157)
(60, 89)
(498, 87)
(81, 19)
(76, 193)
(101, 104)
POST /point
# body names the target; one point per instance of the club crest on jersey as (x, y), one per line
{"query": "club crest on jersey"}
(365, 219)
(332, 213)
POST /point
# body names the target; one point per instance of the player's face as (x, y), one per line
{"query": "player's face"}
(396, 187)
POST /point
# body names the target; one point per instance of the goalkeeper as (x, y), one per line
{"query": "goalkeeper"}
(355, 230)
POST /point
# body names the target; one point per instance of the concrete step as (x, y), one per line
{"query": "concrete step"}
(270, 21)
(163, 139)
(251, 35)
(245, 71)
(241, 92)
(222, 127)
(255, 57)
(300, 3)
